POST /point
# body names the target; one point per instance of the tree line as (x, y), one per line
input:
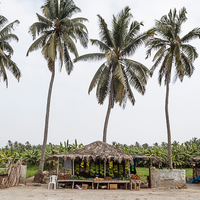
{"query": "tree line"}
(56, 32)
(182, 154)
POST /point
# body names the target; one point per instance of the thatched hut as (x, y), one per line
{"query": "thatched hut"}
(95, 151)
(101, 152)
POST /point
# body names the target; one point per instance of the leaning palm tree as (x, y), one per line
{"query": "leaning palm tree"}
(118, 73)
(172, 51)
(57, 31)
(6, 51)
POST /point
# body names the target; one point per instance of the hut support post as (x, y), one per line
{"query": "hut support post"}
(129, 171)
(73, 167)
(58, 166)
(104, 168)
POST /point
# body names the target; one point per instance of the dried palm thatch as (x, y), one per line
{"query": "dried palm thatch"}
(154, 159)
(96, 150)
(13, 177)
(196, 159)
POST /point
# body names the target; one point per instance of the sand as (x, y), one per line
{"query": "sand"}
(41, 192)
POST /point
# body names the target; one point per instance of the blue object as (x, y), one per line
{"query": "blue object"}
(97, 175)
(196, 179)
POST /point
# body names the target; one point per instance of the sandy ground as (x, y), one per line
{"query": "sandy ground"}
(41, 192)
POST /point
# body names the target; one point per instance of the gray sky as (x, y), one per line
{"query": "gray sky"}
(75, 114)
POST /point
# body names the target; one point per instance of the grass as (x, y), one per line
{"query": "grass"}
(31, 170)
(143, 172)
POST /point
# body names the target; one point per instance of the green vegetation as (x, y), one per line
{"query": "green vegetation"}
(182, 154)
(31, 170)
(143, 172)
(32, 154)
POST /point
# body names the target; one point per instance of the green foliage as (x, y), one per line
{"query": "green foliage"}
(31, 170)
(58, 32)
(117, 74)
(181, 153)
(32, 154)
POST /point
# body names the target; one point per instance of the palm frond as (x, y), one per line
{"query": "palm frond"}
(91, 56)
(105, 34)
(9, 28)
(37, 44)
(103, 85)
(102, 46)
(118, 74)
(128, 89)
(68, 62)
(195, 33)
(70, 44)
(120, 26)
(3, 21)
(96, 77)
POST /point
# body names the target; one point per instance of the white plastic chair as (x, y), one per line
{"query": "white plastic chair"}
(53, 180)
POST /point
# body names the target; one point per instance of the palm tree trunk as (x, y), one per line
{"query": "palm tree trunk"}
(168, 124)
(108, 113)
(39, 175)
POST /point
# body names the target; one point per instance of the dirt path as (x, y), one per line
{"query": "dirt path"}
(41, 192)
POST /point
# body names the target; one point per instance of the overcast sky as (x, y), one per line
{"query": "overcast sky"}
(76, 115)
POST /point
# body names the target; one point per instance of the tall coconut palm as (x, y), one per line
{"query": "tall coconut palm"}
(118, 73)
(6, 51)
(172, 52)
(57, 32)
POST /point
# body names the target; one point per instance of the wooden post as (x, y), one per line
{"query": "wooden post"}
(58, 166)
(104, 168)
(149, 176)
(73, 167)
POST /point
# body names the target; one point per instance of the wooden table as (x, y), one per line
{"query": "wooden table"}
(73, 182)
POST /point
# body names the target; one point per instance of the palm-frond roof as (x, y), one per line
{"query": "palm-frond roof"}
(98, 150)
(196, 159)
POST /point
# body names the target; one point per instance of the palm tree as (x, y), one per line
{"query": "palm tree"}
(118, 73)
(172, 51)
(57, 33)
(6, 51)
